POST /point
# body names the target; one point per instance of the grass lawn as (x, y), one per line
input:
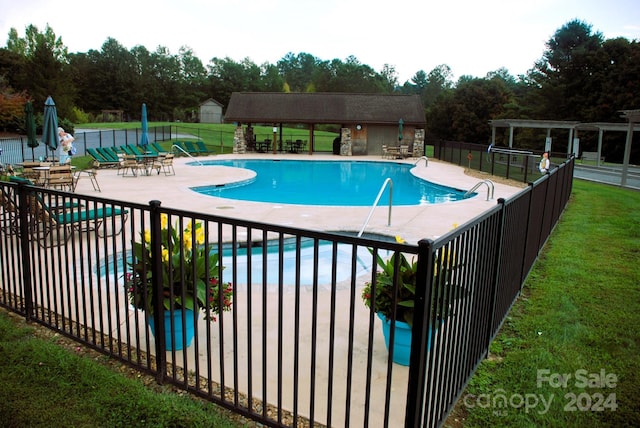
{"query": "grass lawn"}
(49, 381)
(568, 355)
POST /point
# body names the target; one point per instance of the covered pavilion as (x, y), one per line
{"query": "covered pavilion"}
(367, 121)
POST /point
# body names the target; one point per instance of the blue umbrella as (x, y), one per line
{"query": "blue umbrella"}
(50, 124)
(144, 139)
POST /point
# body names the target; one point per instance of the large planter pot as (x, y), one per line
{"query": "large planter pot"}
(401, 340)
(174, 338)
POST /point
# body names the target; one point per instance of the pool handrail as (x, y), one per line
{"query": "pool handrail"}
(375, 204)
(175, 146)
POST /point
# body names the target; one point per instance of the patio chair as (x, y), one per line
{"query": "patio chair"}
(166, 164)
(52, 226)
(129, 163)
(61, 177)
(28, 172)
(8, 212)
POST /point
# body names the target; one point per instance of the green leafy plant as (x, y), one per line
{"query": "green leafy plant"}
(445, 266)
(187, 276)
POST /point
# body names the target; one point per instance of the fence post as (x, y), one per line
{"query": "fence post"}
(420, 335)
(156, 286)
(25, 239)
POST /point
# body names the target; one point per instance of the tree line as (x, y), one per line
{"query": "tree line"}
(580, 77)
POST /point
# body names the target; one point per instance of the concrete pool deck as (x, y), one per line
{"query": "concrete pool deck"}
(411, 222)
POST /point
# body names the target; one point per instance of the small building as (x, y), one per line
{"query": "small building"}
(211, 111)
(367, 121)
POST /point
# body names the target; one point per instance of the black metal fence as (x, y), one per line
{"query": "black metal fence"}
(297, 345)
(520, 165)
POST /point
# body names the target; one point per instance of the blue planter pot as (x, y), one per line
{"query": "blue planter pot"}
(174, 339)
(401, 340)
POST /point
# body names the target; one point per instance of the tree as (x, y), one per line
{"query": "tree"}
(565, 73)
(463, 114)
(46, 70)
(11, 108)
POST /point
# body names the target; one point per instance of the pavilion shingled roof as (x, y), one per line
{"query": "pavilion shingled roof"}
(334, 108)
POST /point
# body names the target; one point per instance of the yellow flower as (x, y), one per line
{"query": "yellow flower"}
(200, 236)
(399, 240)
(186, 239)
(165, 255)
(147, 236)
(164, 221)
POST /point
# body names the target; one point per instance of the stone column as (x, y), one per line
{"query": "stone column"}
(418, 143)
(345, 143)
(239, 142)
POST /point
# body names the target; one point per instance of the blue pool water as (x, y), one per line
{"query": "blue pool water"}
(333, 183)
(342, 263)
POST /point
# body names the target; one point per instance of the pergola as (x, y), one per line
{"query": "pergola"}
(632, 116)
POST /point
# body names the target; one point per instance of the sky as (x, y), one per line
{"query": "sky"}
(472, 37)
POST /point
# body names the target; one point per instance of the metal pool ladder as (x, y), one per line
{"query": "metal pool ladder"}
(490, 189)
(375, 204)
(175, 146)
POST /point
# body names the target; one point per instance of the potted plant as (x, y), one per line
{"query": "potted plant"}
(189, 283)
(405, 300)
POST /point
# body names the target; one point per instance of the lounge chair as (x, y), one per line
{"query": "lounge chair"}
(202, 149)
(190, 147)
(158, 147)
(96, 156)
(101, 160)
(53, 226)
(127, 150)
(135, 149)
(111, 154)
(149, 149)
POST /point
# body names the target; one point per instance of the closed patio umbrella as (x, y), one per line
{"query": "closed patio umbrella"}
(400, 126)
(30, 127)
(144, 139)
(50, 125)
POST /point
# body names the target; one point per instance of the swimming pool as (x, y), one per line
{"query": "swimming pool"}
(329, 183)
(267, 267)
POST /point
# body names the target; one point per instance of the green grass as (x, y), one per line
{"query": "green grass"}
(579, 310)
(46, 385)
